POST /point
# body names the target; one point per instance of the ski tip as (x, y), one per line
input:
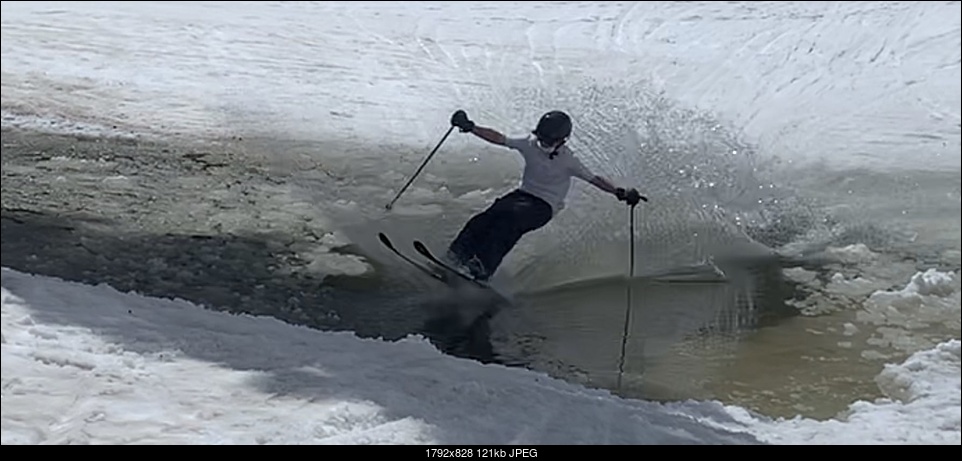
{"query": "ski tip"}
(420, 247)
(386, 241)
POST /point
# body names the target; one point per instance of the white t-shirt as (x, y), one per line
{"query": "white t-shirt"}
(546, 178)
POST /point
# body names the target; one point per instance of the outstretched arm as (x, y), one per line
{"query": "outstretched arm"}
(604, 184)
(460, 119)
(580, 171)
(489, 134)
(630, 196)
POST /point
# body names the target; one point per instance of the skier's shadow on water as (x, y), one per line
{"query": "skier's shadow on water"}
(465, 336)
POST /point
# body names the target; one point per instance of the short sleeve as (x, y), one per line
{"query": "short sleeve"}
(579, 170)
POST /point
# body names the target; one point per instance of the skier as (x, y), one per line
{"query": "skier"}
(487, 238)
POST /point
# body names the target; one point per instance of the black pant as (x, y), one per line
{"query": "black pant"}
(488, 237)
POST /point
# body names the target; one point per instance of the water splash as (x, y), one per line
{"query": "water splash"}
(708, 189)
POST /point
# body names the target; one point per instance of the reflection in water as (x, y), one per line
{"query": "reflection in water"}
(576, 331)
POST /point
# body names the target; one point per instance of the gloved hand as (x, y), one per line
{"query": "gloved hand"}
(460, 119)
(630, 196)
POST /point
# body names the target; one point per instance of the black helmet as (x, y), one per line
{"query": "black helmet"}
(553, 127)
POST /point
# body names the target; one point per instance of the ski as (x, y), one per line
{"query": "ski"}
(424, 251)
(436, 269)
(423, 268)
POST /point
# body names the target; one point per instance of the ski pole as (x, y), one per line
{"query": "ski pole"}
(421, 168)
(631, 275)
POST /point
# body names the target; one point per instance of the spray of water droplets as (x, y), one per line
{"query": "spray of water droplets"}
(707, 189)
